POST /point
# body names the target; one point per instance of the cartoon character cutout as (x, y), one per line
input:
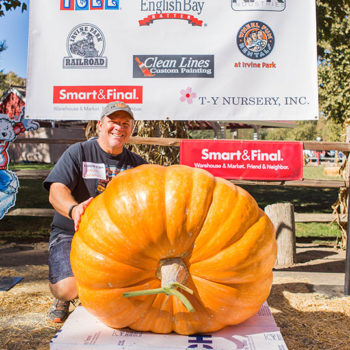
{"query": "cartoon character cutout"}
(9, 129)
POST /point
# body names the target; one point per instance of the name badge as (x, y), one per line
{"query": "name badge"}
(94, 171)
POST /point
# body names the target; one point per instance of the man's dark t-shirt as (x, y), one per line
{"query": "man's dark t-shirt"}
(85, 168)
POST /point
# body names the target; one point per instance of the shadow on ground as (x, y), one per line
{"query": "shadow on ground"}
(18, 254)
(316, 258)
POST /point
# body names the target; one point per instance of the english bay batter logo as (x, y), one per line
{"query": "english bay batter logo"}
(85, 47)
(172, 10)
(258, 5)
(255, 40)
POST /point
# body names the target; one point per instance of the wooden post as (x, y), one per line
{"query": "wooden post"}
(347, 261)
(282, 217)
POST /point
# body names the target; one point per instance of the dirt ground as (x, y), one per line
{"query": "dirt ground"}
(308, 317)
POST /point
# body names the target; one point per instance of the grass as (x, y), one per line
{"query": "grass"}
(24, 229)
(31, 194)
(318, 233)
(316, 172)
(28, 166)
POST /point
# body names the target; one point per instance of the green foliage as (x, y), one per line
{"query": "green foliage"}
(202, 134)
(8, 80)
(329, 130)
(306, 130)
(13, 79)
(334, 58)
(7, 5)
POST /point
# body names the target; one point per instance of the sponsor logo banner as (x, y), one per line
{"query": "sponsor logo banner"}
(173, 66)
(97, 94)
(187, 59)
(85, 46)
(249, 160)
(258, 5)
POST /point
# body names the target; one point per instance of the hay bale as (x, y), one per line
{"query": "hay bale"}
(331, 171)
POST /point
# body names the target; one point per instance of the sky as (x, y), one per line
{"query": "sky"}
(14, 29)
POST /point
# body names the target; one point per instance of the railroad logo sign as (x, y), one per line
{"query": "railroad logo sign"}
(255, 40)
(85, 47)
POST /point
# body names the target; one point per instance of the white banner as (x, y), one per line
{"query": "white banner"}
(173, 59)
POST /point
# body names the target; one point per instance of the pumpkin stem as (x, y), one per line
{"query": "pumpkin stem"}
(172, 273)
(171, 290)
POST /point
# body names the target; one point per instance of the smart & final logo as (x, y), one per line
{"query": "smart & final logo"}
(97, 94)
(85, 47)
(255, 40)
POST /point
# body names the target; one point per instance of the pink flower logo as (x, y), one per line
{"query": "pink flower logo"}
(187, 95)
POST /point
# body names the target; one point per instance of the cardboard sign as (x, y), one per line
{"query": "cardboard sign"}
(82, 330)
(248, 160)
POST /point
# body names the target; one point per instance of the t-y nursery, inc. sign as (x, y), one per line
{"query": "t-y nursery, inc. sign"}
(249, 160)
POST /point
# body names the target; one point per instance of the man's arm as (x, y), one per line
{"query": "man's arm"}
(62, 200)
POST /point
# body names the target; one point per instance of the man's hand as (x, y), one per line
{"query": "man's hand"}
(78, 211)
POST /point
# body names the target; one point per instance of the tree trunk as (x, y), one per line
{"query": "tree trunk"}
(282, 217)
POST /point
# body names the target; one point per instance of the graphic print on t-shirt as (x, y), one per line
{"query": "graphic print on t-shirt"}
(111, 171)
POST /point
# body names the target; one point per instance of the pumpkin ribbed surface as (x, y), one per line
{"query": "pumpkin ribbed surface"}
(152, 213)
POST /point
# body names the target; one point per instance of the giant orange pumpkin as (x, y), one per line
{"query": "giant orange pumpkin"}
(173, 249)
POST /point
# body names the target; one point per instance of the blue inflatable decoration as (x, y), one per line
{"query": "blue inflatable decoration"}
(9, 129)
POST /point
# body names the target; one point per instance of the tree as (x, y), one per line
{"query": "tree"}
(7, 5)
(8, 80)
(306, 130)
(334, 59)
(3, 45)
(328, 130)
